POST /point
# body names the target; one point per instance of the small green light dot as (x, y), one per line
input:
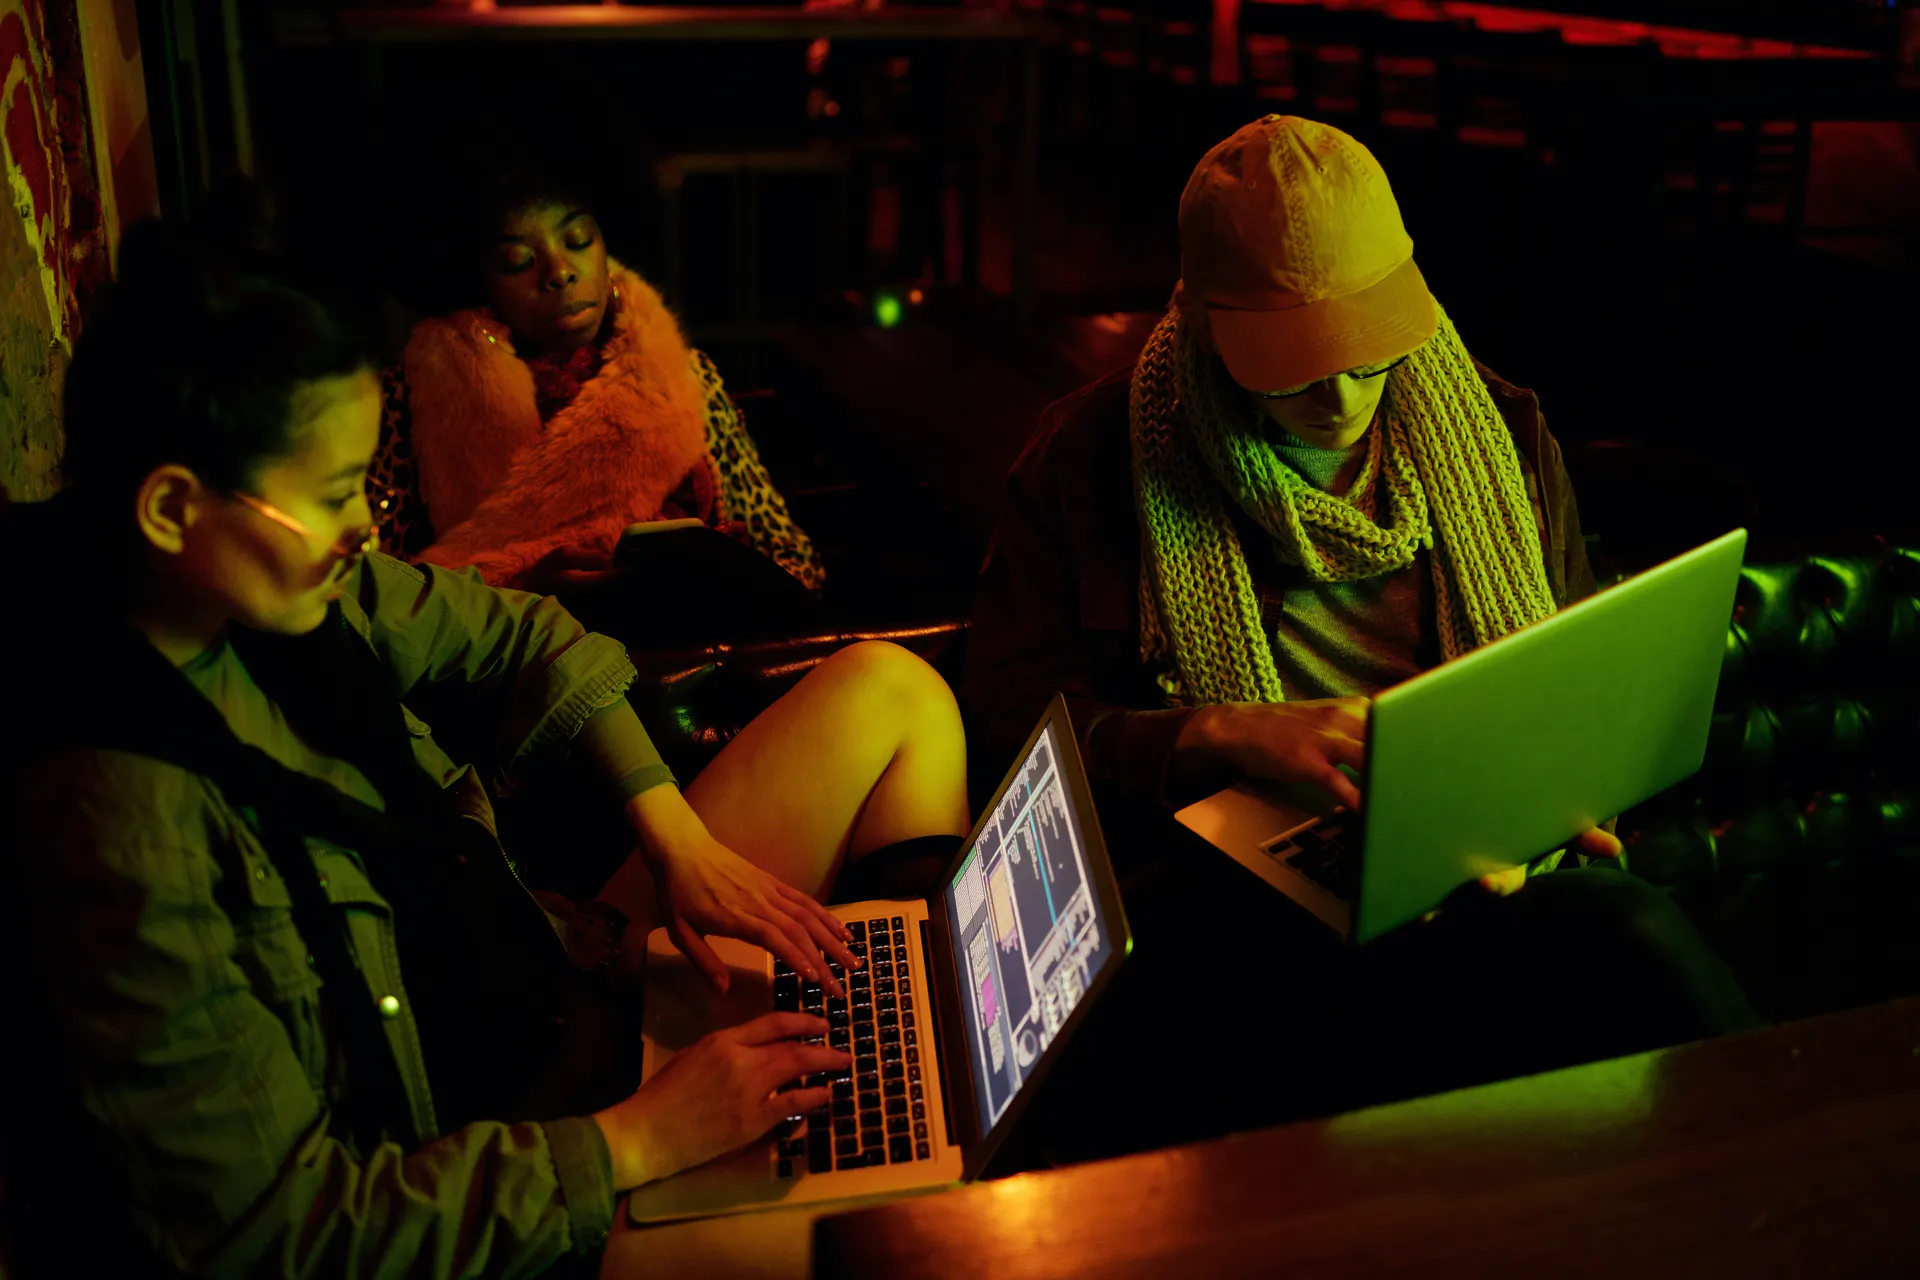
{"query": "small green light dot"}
(886, 310)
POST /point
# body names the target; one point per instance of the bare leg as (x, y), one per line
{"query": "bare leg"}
(866, 750)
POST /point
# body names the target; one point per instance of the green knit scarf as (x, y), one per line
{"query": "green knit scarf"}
(1439, 460)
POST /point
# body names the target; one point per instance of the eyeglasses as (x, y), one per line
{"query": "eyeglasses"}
(351, 546)
(1364, 371)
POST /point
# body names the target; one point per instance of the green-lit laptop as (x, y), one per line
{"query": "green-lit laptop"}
(1503, 754)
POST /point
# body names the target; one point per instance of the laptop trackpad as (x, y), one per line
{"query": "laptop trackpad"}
(1252, 812)
(682, 1005)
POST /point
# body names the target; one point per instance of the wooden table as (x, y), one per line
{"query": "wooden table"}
(1792, 1152)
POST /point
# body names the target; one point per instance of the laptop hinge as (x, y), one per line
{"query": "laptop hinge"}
(932, 1008)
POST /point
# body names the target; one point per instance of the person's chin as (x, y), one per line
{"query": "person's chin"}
(1330, 437)
(574, 331)
(297, 620)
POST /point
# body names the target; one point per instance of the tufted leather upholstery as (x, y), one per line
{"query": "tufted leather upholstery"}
(1796, 849)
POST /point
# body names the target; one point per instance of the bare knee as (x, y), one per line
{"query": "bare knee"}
(891, 695)
(895, 676)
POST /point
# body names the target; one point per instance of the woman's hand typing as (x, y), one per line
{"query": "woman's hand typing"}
(705, 888)
(716, 1096)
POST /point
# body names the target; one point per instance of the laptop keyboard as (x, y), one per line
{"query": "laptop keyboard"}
(878, 1113)
(1326, 854)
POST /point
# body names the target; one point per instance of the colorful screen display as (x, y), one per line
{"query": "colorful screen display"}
(1027, 934)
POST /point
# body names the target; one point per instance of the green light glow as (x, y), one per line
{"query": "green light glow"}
(1580, 1102)
(886, 310)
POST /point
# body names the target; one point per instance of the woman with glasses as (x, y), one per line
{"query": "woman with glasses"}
(1306, 490)
(281, 972)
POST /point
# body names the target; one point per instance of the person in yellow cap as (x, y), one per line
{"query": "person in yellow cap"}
(1329, 495)
(1304, 491)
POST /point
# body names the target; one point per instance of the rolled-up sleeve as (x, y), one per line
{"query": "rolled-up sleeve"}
(617, 743)
(585, 1169)
(538, 673)
(208, 1115)
(490, 1199)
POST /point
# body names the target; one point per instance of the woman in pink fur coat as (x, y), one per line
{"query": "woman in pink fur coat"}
(522, 437)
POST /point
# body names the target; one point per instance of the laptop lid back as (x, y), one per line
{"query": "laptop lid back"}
(1509, 751)
(1027, 931)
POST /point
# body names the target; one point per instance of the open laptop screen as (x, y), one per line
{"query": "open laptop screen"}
(1027, 934)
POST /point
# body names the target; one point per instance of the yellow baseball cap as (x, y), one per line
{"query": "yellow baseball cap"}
(1294, 263)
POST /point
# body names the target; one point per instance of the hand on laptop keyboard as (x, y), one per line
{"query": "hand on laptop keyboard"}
(879, 1112)
(719, 1094)
(1285, 741)
(708, 889)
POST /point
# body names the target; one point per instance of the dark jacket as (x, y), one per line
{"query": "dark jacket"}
(191, 1026)
(1057, 604)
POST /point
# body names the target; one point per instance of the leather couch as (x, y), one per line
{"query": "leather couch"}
(1795, 849)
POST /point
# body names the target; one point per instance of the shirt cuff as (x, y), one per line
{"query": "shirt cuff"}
(585, 1170)
(617, 743)
(645, 779)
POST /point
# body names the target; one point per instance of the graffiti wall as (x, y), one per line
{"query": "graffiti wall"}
(32, 362)
(53, 229)
(49, 153)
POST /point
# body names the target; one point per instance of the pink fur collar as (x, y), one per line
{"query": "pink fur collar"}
(501, 491)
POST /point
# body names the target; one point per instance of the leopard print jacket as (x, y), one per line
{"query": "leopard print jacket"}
(745, 492)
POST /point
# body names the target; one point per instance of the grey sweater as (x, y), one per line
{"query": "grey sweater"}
(1343, 639)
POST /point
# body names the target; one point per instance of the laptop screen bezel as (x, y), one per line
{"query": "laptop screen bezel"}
(955, 1051)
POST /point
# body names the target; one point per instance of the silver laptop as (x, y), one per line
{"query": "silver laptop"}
(1502, 754)
(964, 1002)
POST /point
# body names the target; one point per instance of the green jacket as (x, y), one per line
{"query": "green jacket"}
(188, 1011)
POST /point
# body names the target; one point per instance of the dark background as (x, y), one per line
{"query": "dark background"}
(1635, 258)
